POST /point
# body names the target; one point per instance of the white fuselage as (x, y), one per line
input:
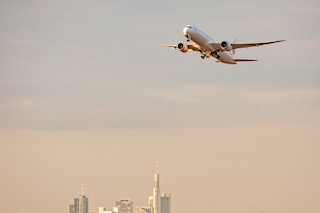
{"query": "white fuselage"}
(204, 41)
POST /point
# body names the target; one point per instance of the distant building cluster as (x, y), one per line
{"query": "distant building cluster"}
(81, 204)
(157, 203)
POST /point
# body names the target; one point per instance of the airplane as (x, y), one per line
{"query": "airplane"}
(221, 52)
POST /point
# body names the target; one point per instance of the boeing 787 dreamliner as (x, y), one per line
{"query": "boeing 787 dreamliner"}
(222, 52)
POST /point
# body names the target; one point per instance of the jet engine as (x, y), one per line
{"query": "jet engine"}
(183, 47)
(225, 46)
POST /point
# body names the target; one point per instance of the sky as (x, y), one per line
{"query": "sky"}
(88, 94)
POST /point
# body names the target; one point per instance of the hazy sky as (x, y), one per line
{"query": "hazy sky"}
(87, 93)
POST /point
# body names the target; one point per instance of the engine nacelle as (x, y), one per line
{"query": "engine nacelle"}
(225, 46)
(183, 47)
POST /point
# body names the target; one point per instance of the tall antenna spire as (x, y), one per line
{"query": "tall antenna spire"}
(157, 167)
(82, 189)
(156, 191)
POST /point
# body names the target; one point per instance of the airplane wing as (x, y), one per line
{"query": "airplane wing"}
(169, 46)
(237, 46)
(193, 46)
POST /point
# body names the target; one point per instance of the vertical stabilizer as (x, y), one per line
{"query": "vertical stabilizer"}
(233, 51)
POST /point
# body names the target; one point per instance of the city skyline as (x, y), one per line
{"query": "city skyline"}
(125, 205)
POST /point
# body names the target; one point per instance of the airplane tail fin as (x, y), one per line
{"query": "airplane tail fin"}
(232, 52)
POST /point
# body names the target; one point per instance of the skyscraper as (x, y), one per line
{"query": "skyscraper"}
(125, 205)
(159, 204)
(72, 208)
(156, 192)
(81, 203)
(166, 203)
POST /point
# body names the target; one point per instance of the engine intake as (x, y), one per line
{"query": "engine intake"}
(183, 47)
(225, 46)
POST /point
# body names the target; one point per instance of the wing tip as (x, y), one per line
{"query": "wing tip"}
(244, 60)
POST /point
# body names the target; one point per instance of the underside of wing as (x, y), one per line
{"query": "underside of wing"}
(194, 47)
(215, 46)
(183, 47)
(169, 46)
(236, 46)
(218, 46)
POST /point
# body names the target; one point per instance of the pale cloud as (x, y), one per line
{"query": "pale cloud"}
(281, 95)
(26, 104)
(206, 94)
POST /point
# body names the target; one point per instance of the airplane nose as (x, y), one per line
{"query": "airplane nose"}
(185, 31)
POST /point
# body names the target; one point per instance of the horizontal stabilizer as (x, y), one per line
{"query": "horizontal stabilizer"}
(244, 60)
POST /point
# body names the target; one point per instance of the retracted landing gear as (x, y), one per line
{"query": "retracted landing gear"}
(204, 54)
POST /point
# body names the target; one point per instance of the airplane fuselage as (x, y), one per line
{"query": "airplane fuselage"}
(204, 41)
